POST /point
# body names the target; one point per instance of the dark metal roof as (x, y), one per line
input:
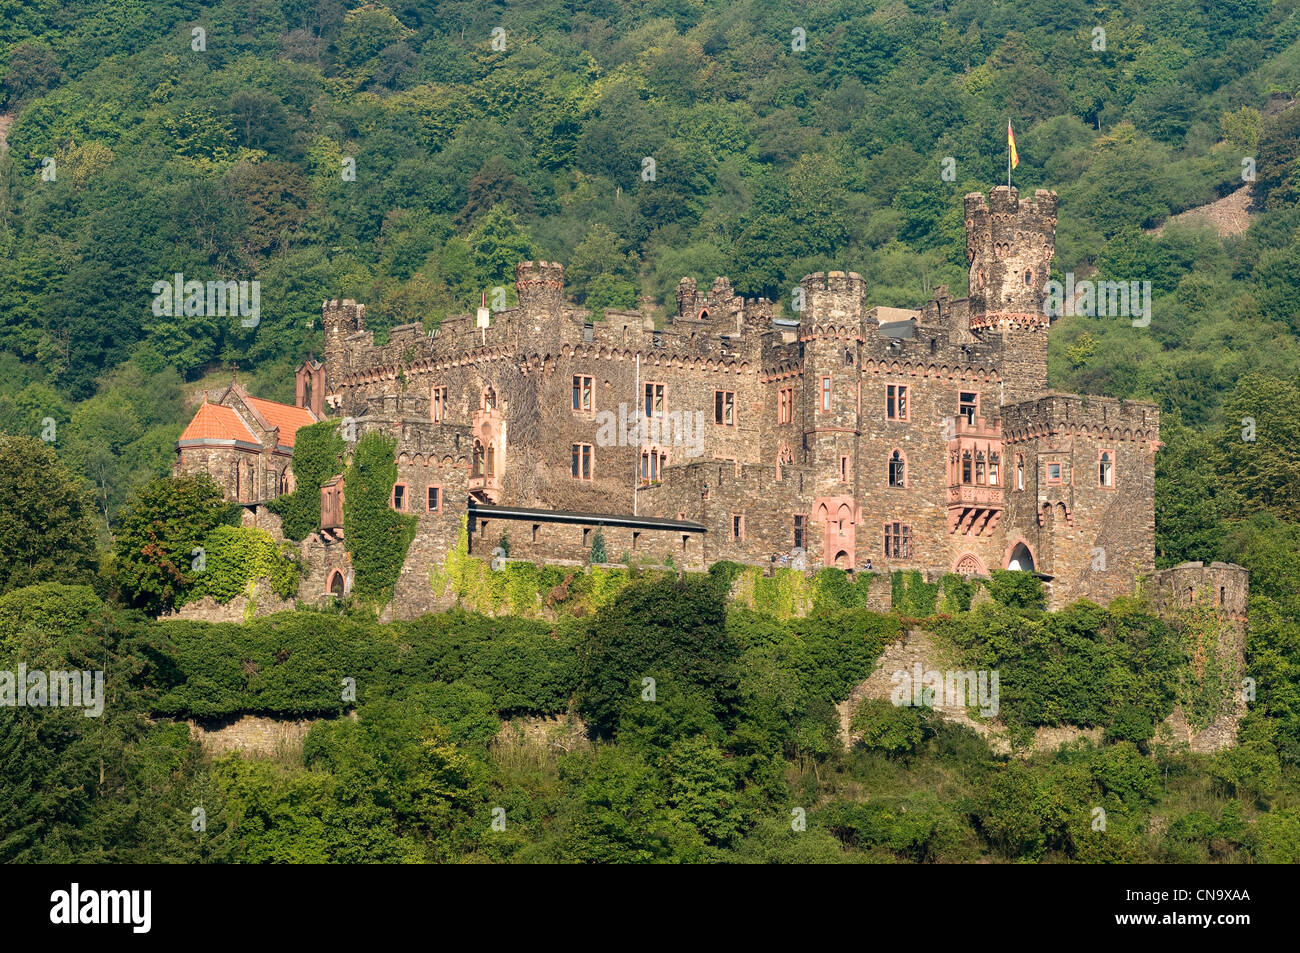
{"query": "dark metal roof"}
(898, 329)
(595, 519)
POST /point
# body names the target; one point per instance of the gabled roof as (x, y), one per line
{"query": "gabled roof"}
(215, 422)
(286, 417)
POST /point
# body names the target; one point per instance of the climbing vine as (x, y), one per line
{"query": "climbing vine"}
(376, 535)
(235, 557)
(317, 457)
(1204, 682)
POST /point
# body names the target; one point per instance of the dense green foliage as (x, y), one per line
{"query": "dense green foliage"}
(735, 738)
(159, 547)
(237, 556)
(376, 535)
(46, 527)
(317, 457)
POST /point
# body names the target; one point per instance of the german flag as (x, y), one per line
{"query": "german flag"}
(1011, 144)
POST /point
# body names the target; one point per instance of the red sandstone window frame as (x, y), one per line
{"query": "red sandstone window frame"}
(433, 494)
(438, 404)
(738, 527)
(489, 400)
(824, 400)
(583, 462)
(968, 409)
(1060, 473)
(654, 396)
(785, 405)
(1106, 468)
(653, 462)
(405, 501)
(724, 408)
(897, 405)
(901, 461)
(584, 394)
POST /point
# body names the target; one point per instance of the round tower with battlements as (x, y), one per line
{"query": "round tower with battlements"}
(540, 285)
(1009, 246)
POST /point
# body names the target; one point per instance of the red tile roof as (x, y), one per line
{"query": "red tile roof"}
(215, 422)
(285, 416)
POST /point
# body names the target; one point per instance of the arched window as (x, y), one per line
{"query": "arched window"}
(489, 399)
(783, 459)
(476, 468)
(979, 468)
(1105, 472)
(965, 467)
(491, 460)
(897, 469)
(1020, 471)
(993, 469)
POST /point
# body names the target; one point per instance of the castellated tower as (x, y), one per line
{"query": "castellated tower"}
(540, 285)
(1009, 245)
(831, 335)
(340, 319)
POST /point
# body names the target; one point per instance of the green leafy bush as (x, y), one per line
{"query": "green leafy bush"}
(376, 535)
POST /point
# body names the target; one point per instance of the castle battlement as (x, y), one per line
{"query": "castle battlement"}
(898, 438)
(1065, 414)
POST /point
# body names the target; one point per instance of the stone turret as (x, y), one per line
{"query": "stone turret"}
(1009, 245)
(340, 319)
(833, 297)
(540, 284)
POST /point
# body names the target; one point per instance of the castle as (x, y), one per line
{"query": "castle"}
(851, 436)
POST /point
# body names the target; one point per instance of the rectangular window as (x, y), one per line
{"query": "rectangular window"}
(798, 532)
(433, 500)
(399, 497)
(1053, 473)
(968, 406)
(844, 469)
(438, 404)
(826, 395)
(737, 526)
(1106, 469)
(896, 402)
(652, 466)
(785, 405)
(582, 394)
(724, 408)
(582, 461)
(898, 541)
(654, 399)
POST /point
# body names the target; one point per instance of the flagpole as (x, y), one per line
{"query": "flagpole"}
(1008, 157)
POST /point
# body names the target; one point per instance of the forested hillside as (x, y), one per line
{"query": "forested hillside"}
(408, 155)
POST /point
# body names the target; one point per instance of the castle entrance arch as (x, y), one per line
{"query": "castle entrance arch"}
(1021, 558)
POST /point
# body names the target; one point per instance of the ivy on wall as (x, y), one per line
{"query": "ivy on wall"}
(525, 589)
(375, 534)
(317, 457)
(234, 557)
